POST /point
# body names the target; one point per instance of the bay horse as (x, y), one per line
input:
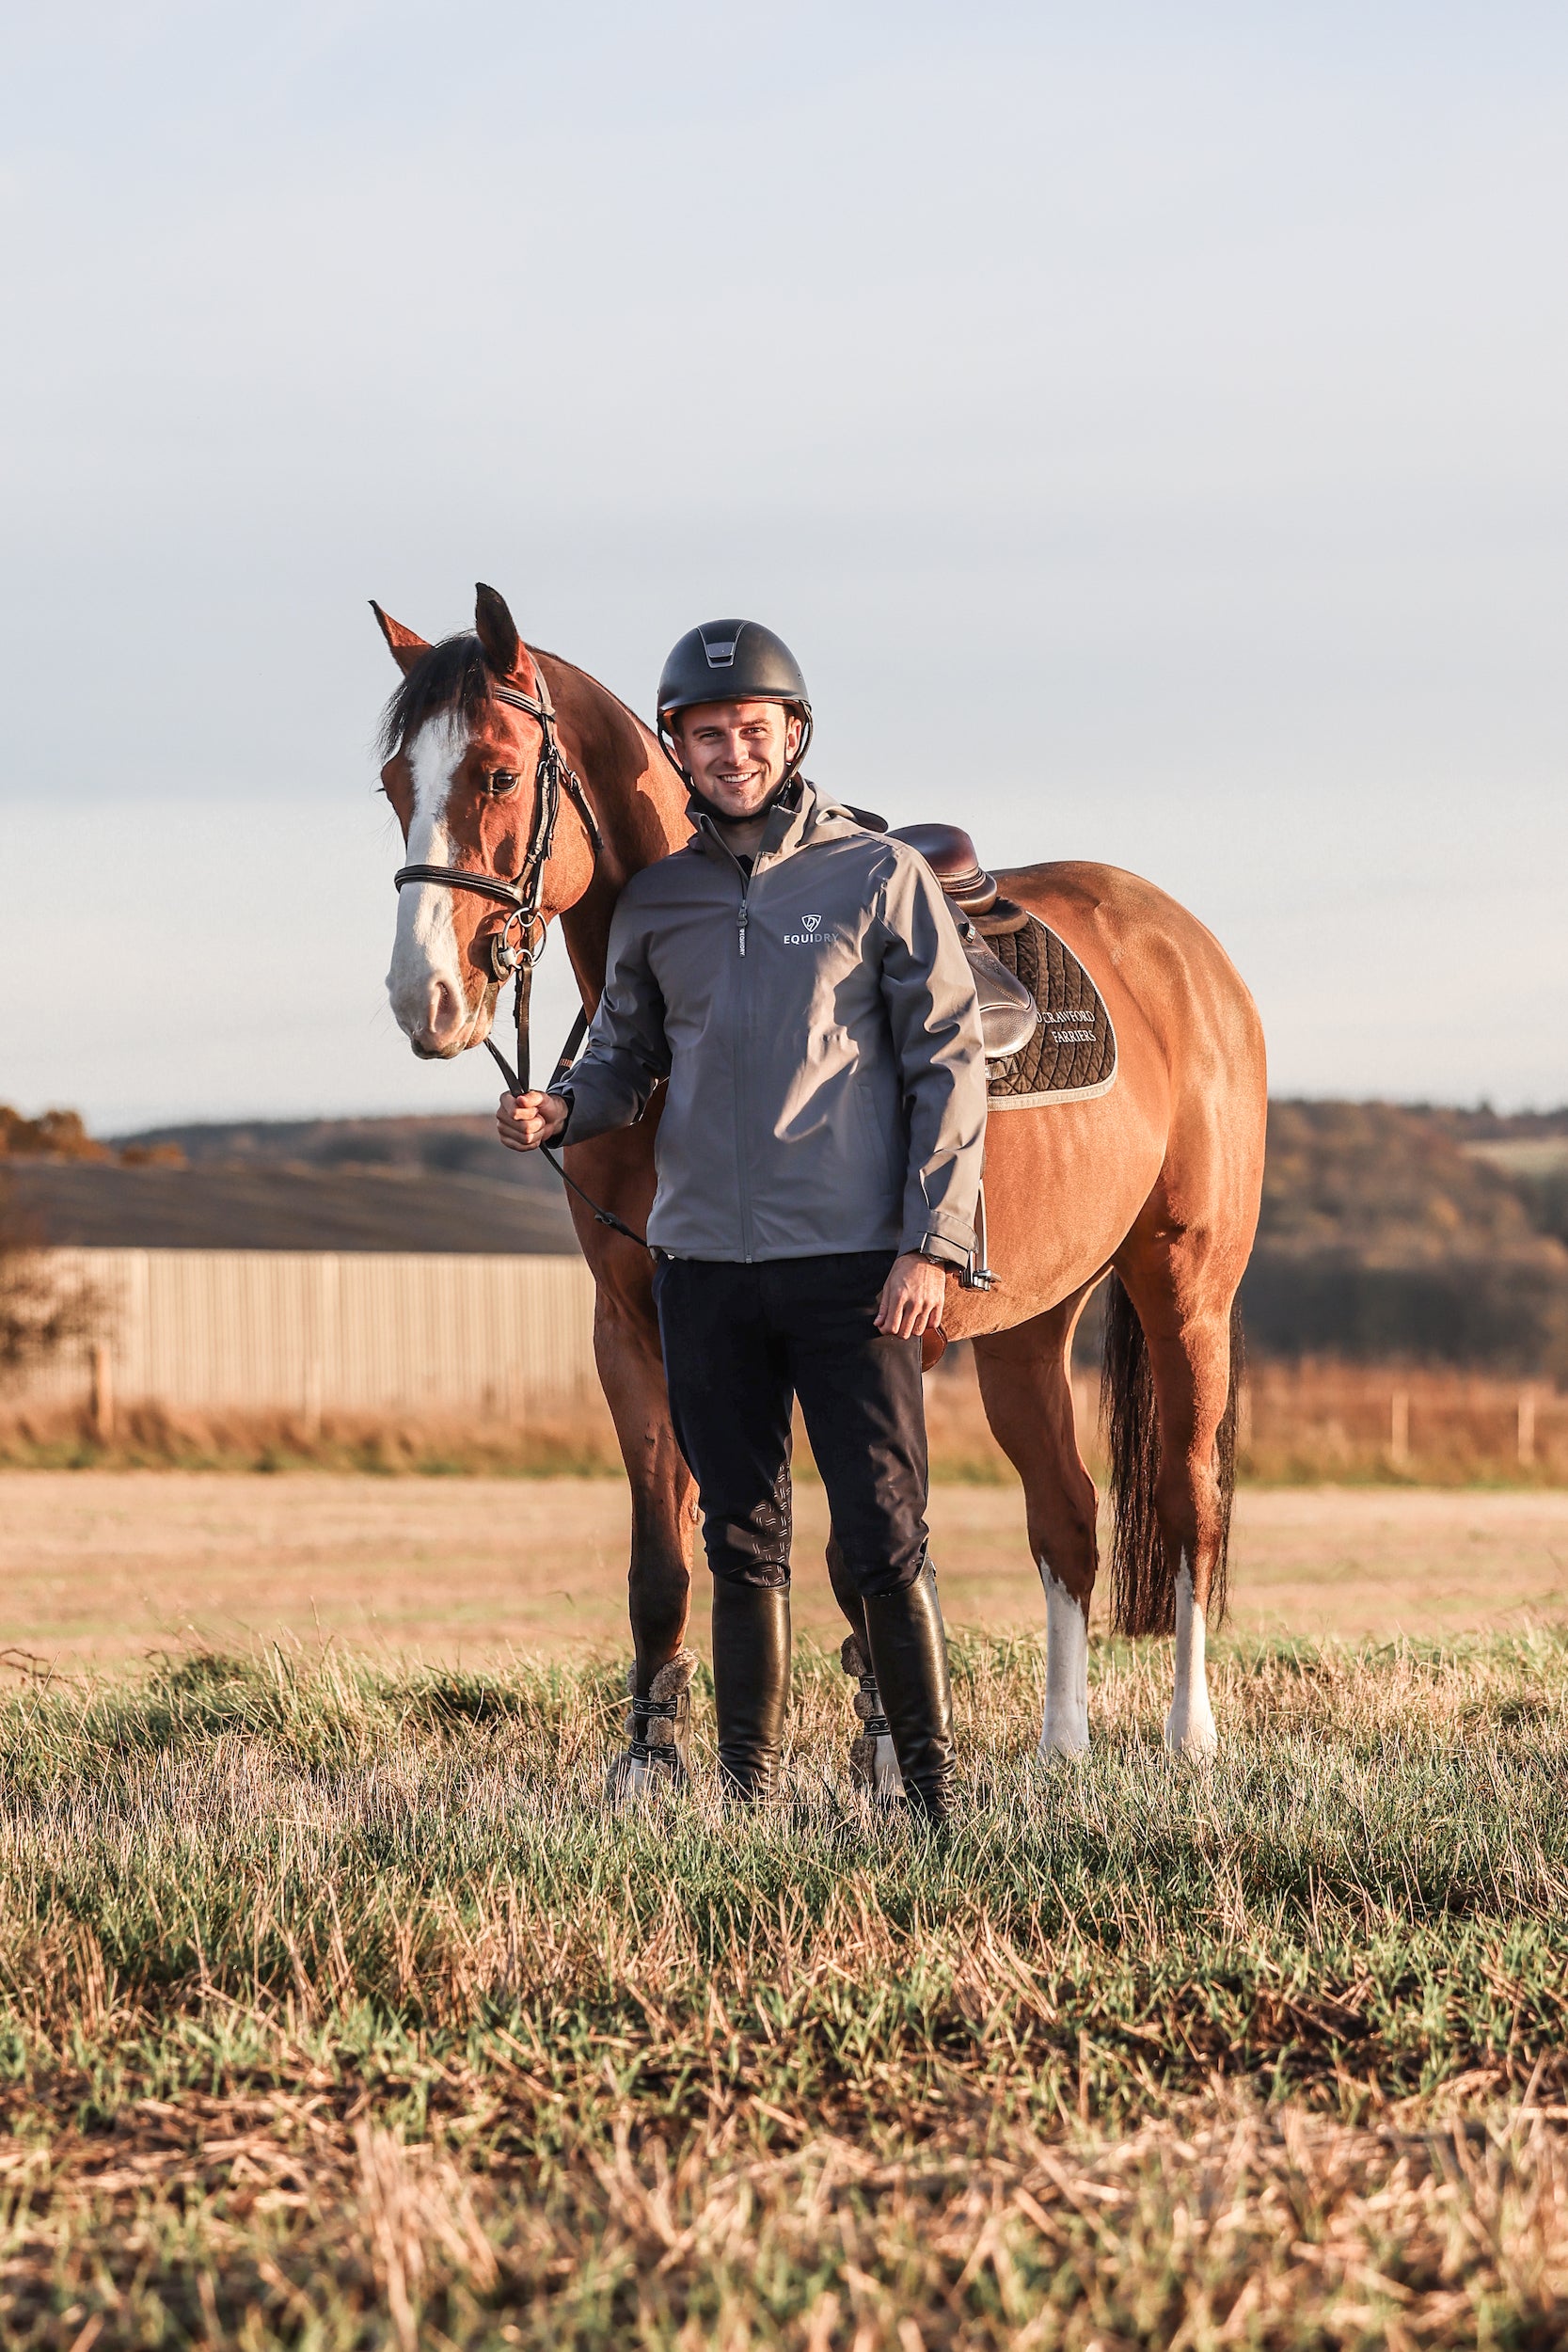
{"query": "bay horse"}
(1154, 1182)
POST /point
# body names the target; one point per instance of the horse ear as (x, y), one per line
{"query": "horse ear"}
(405, 647)
(504, 650)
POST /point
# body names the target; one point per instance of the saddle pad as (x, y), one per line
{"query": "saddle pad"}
(1072, 1054)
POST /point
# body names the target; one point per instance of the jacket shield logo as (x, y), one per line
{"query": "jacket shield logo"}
(810, 922)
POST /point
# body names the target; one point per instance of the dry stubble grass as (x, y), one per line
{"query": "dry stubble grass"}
(334, 2011)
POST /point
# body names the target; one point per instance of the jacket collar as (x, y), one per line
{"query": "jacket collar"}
(793, 820)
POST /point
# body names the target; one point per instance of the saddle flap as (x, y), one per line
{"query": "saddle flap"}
(1008, 1013)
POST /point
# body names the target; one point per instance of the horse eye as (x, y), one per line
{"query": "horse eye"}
(502, 781)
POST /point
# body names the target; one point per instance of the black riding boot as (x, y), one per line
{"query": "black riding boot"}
(750, 1685)
(909, 1654)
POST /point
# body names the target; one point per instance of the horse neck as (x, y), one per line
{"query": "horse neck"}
(638, 798)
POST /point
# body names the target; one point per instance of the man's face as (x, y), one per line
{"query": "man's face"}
(737, 753)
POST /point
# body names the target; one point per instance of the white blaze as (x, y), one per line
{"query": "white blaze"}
(1190, 1725)
(424, 950)
(1066, 1729)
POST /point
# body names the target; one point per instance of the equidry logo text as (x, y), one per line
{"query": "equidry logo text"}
(809, 934)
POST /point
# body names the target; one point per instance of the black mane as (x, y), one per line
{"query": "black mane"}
(450, 676)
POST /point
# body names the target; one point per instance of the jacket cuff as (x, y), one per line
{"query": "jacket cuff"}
(943, 1233)
(562, 1094)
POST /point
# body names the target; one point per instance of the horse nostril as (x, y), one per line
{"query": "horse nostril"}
(444, 1014)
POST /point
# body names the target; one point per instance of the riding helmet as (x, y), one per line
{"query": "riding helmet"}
(731, 661)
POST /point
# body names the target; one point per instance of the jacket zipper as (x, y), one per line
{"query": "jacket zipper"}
(737, 1057)
(742, 920)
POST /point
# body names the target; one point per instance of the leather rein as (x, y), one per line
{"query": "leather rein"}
(552, 777)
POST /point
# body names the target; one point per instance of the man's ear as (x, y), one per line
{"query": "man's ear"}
(405, 646)
(504, 650)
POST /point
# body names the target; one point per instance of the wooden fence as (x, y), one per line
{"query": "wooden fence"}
(308, 1332)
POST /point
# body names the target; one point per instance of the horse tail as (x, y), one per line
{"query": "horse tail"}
(1143, 1593)
(1143, 1583)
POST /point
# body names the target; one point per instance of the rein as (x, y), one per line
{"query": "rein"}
(552, 776)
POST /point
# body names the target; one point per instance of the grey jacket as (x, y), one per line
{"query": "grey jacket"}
(818, 1029)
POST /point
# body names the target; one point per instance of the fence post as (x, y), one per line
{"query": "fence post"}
(1527, 1428)
(102, 1392)
(1398, 1428)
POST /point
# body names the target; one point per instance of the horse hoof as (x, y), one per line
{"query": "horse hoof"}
(658, 1751)
(1191, 1739)
(874, 1767)
(633, 1779)
(1062, 1745)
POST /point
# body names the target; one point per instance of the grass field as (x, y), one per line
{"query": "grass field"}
(99, 1568)
(334, 2011)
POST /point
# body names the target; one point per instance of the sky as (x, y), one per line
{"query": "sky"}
(1145, 425)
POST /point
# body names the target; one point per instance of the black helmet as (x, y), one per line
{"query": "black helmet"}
(732, 661)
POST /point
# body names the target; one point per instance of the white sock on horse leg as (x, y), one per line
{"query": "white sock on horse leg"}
(1190, 1725)
(1066, 1729)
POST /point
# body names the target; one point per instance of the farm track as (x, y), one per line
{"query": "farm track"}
(334, 2011)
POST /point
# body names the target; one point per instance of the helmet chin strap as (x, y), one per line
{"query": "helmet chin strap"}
(722, 816)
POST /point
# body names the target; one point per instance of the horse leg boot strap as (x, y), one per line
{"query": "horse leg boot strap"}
(750, 1685)
(909, 1654)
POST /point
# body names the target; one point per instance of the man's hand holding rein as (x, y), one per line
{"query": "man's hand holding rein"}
(524, 1122)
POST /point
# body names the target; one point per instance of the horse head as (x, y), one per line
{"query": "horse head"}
(464, 771)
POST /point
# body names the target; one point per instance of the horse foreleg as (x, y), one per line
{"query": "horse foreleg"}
(1027, 1394)
(873, 1761)
(663, 1515)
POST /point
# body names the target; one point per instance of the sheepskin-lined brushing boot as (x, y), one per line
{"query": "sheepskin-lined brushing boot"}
(658, 1753)
(908, 1657)
(873, 1764)
(750, 1685)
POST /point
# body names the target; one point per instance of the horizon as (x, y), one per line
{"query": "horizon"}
(284, 1118)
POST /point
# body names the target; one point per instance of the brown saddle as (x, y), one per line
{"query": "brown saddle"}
(1008, 1013)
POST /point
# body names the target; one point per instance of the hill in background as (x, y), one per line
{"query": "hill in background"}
(464, 1146)
(1434, 1234)
(425, 1185)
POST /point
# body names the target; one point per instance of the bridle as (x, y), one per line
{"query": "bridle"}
(552, 776)
(517, 958)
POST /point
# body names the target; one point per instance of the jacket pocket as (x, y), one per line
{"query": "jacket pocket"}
(877, 1143)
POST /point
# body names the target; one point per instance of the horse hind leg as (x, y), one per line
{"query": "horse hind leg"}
(1175, 1350)
(1027, 1393)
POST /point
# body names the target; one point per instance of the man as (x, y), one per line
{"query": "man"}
(799, 982)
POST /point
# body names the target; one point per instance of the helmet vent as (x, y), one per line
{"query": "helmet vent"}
(720, 652)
